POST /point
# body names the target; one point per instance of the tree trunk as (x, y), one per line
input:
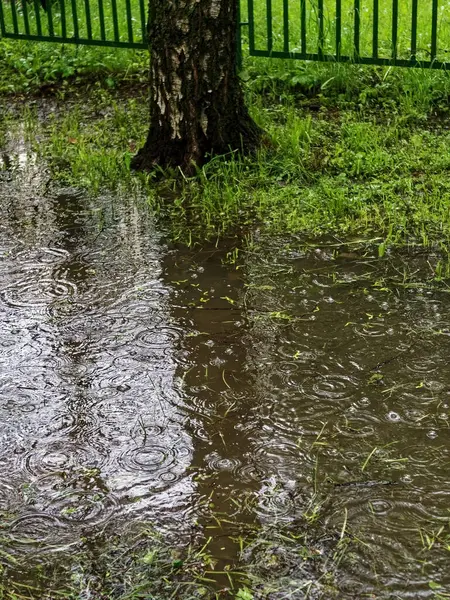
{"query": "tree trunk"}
(196, 102)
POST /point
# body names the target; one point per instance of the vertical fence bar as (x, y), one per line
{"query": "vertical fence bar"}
(251, 25)
(356, 31)
(303, 25)
(321, 32)
(101, 17)
(14, 17)
(286, 25)
(115, 20)
(26, 21)
(143, 21)
(269, 25)
(434, 18)
(375, 29)
(76, 32)
(130, 20)
(394, 28)
(87, 8)
(2, 20)
(62, 5)
(37, 15)
(49, 10)
(338, 27)
(414, 30)
(238, 37)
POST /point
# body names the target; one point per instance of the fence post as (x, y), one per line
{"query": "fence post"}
(238, 37)
(2, 21)
(414, 30)
(356, 30)
(434, 22)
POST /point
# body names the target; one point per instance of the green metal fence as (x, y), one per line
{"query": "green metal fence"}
(382, 32)
(405, 33)
(120, 23)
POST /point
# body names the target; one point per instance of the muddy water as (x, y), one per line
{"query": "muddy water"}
(142, 383)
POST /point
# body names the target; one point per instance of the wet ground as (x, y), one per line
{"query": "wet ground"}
(194, 390)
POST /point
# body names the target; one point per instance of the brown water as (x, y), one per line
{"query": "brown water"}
(141, 382)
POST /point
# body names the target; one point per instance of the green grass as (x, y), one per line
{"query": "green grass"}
(354, 151)
(107, 20)
(367, 19)
(369, 159)
(35, 67)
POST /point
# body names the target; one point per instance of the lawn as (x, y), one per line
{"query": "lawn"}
(367, 28)
(354, 151)
(290, 22)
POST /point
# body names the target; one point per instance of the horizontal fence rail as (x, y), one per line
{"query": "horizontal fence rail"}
(119, 23)
(406, 33)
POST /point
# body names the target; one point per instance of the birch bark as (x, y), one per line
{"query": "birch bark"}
(196, 102)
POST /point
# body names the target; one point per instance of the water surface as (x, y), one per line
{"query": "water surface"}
(200, 391)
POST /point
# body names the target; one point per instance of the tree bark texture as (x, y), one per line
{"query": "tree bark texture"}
(196, 102)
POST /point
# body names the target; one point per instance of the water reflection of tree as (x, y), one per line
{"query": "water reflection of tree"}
(218, 391)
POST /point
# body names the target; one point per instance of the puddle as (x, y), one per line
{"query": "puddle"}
(140, 383)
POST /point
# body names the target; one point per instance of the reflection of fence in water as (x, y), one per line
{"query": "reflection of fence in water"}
(91, 22)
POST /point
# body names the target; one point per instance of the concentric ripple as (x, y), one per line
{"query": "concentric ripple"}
(147, 459)
(37, 529)
(82, 507)
(155, 464)
(37, 294)
(161, 339)
(329, 391)
(43, 256)
(216, 463)
(278, 501)
(59, 456)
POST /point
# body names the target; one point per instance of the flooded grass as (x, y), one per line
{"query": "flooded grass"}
(262, 423)
(272, 562)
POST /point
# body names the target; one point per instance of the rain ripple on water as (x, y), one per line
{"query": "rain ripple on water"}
(143, 383)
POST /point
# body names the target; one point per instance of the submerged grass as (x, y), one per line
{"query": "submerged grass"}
(270, 562)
